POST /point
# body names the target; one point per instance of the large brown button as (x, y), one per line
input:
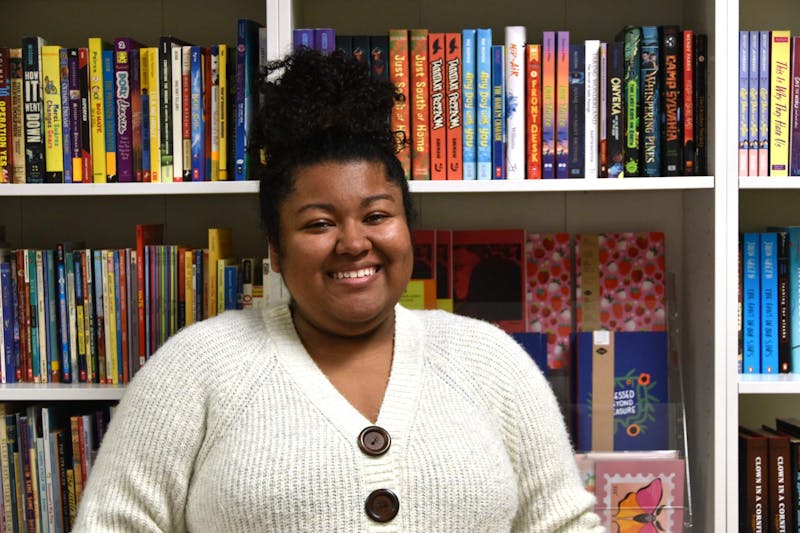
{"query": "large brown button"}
(374, 440)
(382, 505)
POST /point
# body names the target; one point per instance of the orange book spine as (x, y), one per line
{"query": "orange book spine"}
(420, 153)
(534, 121)
(436, 84)
(398, 75)
(454, 140)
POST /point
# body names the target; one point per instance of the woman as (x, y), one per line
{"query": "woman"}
(341, 411)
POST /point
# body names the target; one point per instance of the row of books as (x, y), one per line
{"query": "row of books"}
(559, 109)
(769, 294)
(46, 456)
(128, 112)
(769, 114)
(552, 283)
(769, 476)
(79, 315)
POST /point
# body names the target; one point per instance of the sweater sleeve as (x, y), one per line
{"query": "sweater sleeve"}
(140, 479)
(551, 495)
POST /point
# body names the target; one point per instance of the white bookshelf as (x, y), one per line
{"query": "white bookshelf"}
(60, 392)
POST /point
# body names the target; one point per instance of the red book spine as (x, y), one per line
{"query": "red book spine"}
(455, 145)
(533, 91)
(420, 154)
(436, 84)
(688, 103)
(398, 75)
(122, 290)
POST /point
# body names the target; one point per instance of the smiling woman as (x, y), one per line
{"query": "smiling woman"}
(341, 411)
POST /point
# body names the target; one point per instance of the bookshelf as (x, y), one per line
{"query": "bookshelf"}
(697, 214)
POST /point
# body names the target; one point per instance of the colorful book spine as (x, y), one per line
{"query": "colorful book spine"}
(379, 54)
(753, 104)
(153, 111)
(576, 126)
(17, 116)
(6, 321)
(769, 302)
(208, 120)
(782, 273)
(515, 37)
(651, 102)
(360, 48)
(33, 113)
(562, 104)
(147, 119)
(420, 112)
(498, 113)
(744, 100)
(453, 82)
(176, 112)
(764, 66)
(468, 75)
(700, 104)
(86, 134)
(198, 124)
(780, 73)
(302, 37)
(186, 110)
(97, 120)
(533, 137)
(592, 110)
(483, 71)
(437, 94)
(123, 93)
(794, 113)
(671, 71)
(51, 104)
(751, 303)
(167, 45)
(324, 40)
(6, 165)
(632, 37)
(689, 162)
(603, 103)
(109, 116)
(215, 120)
(246, 95)
(616, 108)
(66, 130)
(223, 112)
(398, 75)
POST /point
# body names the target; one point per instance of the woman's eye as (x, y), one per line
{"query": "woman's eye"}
(376, 217)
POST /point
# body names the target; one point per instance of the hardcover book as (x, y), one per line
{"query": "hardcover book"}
(124, 93)
(548, 273)
(488, 280)
(621, 392)
(515, 37)
(577, 110)
(591, 110)
(754, 480)
(616, 119)
(498, 113)
(687, 116)
(651, 102)
(632, 37)
(780, 73)
(468, 75)
(535, 344)
(549, 104)
(751, 303)
(453, 106)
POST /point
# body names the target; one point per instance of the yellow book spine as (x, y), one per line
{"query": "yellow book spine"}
(779, 104)
(97, 123)
(223, 113)
(214, 113)
(51, 98)
(154, 99)
(219, 246)
(189, 287)
(112, 364)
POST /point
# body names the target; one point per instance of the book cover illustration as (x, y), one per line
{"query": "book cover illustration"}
(548, 287)
(620, 280)
(621, 398)
(487, 276)
(643, 495)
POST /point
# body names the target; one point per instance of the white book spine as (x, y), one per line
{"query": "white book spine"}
(591, 152)
(515, 101)
(177, 115)
(603, 165)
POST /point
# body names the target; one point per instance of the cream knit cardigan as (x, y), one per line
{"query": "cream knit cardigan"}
(232, 427)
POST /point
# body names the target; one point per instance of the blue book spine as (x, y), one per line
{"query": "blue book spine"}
(118, 317)
(63, 315)
(65, 124)
(53, 352)
(231, 286)
(483, 67)
(498, 113)
(751, 306)
(651, 101)
(110, 115)
(198, 126)
(577, 111)
(246, 96)
(468, 72)
(769, 302)
(744, 100)
(324, 40)
(30, 276)
(6, 299)
(302, 37)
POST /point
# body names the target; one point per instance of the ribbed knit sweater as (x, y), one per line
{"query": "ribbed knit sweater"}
(232, 427)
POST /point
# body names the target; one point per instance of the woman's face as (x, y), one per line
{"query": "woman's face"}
(346, 254)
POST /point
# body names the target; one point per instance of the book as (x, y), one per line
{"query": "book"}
(124, 65)
(576, 143)
(223, 112)
(360, 48)
(75, 144)
(549, 264)
(533, 136)
(437, 102)
(751, 303)
(754, 479)
(498, 113)
(186, 111)
(198, 156)
(149, 91)
(783, 327)
(146, 234)
(672, 87)
(453, 85)
(324, 40)
(379, 54)
(591, 112)
(562, 104)
(768, 268)
(780, 489)
(780, 73)
(52, 114)
(764, 69)
(420, 110)
(399, 76)
(344, 45)
(687, 116)
(169, 72)
(603, 104)
(535, 345)
(615, 126)
(33, 112)
(219, 247)
(109, 116)
(6, 138)
(631, 492)
(549, 104)
(469, 107)
(246, 61)
(515, 61)
(303, 37)
(97, 108)
(754, 104)
(483, 99)
(488, 280)
(17, 116)
(621, 390)
(632, 37)
(700, 104)
(651, 102)
(794, 111)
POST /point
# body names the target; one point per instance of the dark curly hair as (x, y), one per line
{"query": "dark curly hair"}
(322, 108)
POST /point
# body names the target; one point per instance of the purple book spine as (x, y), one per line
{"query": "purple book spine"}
(303, 37)
(794, 112)
(325, 40)
(123, 98)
